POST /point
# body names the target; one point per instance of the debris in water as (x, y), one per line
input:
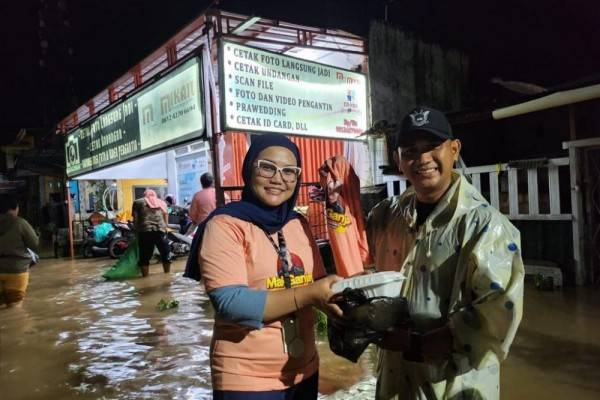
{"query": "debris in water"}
(167, 304)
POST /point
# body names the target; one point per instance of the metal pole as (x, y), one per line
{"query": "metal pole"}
(69, 219)
(572, 125)
(213, 108)
(577, 213)
(214, 151)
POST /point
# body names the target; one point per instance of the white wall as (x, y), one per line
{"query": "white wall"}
(150, 167)
(172, 173)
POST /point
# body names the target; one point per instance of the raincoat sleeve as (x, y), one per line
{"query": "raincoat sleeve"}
(374, 224)
(491, 286)
(371, 238)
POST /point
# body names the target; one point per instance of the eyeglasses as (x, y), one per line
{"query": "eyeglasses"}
(267, 169)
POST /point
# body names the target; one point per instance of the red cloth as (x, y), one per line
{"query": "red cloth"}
(153, 201)
(346, 229)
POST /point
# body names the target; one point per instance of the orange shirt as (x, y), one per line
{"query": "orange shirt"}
(349, 240)
(236, 252)
(203, 203)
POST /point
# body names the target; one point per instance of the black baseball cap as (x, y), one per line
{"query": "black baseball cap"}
(423, 119)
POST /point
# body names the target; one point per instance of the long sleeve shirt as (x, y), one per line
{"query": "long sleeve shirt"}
(16, 236)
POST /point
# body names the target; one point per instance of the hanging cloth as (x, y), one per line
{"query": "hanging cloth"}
(345, 220)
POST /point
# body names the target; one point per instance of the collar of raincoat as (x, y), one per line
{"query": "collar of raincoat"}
(460, 197)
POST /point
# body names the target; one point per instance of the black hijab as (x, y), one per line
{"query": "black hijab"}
(250, 208)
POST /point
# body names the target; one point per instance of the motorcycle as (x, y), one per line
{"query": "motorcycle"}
(179, 244)
(179, 219)
(113, 244)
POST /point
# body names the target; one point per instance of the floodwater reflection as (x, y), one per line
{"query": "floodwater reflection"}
(78, 336)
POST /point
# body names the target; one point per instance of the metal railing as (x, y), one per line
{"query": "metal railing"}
(514, 187)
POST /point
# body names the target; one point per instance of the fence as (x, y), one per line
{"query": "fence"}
(527, 190)
(514, 188)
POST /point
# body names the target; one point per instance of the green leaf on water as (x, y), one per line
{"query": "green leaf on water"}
(164, 305)
(321, 318)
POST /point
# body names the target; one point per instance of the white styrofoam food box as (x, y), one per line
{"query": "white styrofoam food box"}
(379, 284)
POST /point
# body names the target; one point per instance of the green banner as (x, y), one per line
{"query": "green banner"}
(165, 113)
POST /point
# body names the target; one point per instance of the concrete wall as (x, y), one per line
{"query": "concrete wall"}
(404, 72)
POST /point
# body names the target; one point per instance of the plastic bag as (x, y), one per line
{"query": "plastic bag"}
(102, 230)
(126, 266)
(35, 258)
(367, 321)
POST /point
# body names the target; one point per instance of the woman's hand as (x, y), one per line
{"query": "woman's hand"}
(319, 295)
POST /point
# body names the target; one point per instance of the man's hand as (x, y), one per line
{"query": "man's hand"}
(396, 340)
(438, 343)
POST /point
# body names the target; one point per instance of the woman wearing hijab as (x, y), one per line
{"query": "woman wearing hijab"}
(261, 268)
(150, 221)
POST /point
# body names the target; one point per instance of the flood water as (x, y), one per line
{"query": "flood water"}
(78, 336)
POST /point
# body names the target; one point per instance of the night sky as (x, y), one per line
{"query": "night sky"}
(546, 42)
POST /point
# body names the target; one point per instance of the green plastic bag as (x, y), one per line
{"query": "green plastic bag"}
(127, 265)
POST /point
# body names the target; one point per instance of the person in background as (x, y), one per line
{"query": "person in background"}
(17, 242)
(262, 271)
(150, 223)
(170, 200)
(177, 214)
(464, 271)
(205, 200)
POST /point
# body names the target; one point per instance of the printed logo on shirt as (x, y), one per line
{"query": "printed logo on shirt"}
(338, 221)
(298, 276)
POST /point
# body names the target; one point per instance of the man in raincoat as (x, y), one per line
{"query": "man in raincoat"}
(464, 273)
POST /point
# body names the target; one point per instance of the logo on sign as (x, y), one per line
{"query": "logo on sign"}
(147, 114)
(73, 152)
(348, 79)
(350, 104)
(351, 95)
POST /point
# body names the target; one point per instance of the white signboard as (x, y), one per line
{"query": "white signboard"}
(270, 92)
(172, 108)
